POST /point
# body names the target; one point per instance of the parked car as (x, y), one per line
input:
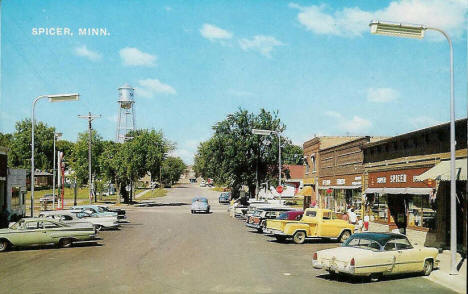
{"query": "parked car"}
(224, 197)
(258, 220)
(293, 215)
(315, 223)
(203, 184)
(69, 217)
(98, 210)
(48, 198)
(121, 213)
(200, 204)
(40, 231)
(375, 255)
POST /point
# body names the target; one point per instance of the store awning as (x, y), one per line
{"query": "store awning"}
(441, 171)
(414, 191)
(306, 191)
(340, 187)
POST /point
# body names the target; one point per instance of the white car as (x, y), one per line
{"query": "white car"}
(68, 216)
(376, 254)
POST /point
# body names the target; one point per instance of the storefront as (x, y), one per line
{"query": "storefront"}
(398, 198)
(406, 182)
(341, 193)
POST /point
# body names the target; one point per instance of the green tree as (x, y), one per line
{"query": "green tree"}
(20, 146)
(172, 169)
(236, 157)
(79, 154)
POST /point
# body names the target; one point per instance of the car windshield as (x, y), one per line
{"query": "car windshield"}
(363, 243)
(18, 225)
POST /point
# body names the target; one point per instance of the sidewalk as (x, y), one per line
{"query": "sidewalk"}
(442, 274)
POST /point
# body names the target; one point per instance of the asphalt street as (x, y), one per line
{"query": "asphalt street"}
(166, 249)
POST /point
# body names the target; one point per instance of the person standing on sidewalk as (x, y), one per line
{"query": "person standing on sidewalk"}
(366, 222)
(352, 216)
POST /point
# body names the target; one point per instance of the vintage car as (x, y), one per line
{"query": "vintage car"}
(200, 204)
(376, 254)
(98, 210)
(121, 213)
(315, 223)
(293, 215)
(258, 219)
(224, 197)
(70, 217)
(40, 231)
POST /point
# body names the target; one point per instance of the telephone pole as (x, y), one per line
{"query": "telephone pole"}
(90, 118)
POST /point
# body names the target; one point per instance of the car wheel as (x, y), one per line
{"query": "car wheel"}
(260, 230)
(191, 211)
(98, 228)
(66, 243)
(280, 238)
(428, 266)
(299, 237)
(4, 245)
(344, 236)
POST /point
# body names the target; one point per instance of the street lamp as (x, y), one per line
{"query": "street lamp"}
(52, 98)
(417, 31)
(267, 133)
(56, 137)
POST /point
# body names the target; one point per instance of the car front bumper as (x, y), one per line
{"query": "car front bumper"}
(255, 226)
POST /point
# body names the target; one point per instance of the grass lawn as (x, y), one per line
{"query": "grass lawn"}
(83, 193)
(152, 194)
(218, 189)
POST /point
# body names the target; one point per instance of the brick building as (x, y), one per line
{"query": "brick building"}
(340, 174)
(398, 193)
(312, 163)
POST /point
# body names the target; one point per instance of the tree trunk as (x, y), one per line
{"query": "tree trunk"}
(123, 192)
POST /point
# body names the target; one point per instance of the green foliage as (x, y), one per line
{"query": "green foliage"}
(20, 146)
(172, 169)
(233, 154)
(5, 139)
(80, 155)
(292, 154)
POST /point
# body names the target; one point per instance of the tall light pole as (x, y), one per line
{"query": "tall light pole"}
(56, 136)
(267, 133)
(90, 118)
(52, 98)
(417, 31)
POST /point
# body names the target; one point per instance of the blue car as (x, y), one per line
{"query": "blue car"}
(224, 197)
(200, 204)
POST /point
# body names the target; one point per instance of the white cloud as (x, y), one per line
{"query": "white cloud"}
(83, 51)
(382, 95)
(134, 57)
(420, 122)
(149, 88)
(260, 43)
(354, 126)
(213, 33)
(351, 22)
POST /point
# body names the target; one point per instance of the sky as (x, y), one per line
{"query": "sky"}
(193, 62)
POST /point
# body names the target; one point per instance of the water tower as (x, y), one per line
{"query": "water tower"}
(126, 119)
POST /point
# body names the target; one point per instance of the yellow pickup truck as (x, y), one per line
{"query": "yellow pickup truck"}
(315, 223)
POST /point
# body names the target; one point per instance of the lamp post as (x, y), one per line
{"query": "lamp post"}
(267, 133)
(56, 136)
(417, 31)
(52, 98)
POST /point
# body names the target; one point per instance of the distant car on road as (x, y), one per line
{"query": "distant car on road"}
(40, 231)
(224, 197)
(376, 254)
(203, 183)
(200, 204)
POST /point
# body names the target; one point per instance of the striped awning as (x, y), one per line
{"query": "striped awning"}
(441, 171)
